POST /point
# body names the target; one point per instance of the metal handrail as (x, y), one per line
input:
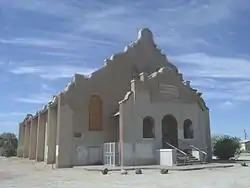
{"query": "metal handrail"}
(182, 152)
(192, 146)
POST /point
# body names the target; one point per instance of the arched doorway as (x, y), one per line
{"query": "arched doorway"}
(169, 131)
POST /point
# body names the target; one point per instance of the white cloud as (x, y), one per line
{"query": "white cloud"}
(39, 98)
(98, 16)
(176, 40)
(179, 30)
(206, 12)
(226, 90)
(8, 123)
(39, 42)
(120, 21)
(61, 54)
(204, 65)
(228, 103)
(46, 87)
(52, 72)
(10, 114)
(220, 78)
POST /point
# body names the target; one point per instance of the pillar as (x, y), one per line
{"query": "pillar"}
(33, 139)
(22, 140)
(64, 134)
(40, 138)
(51, 135)
(27, 139)
(19, 141)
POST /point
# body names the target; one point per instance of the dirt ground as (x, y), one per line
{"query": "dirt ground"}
(23, 173)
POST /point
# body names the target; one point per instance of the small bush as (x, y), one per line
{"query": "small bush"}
(8, 144)
(226, 147)
(9, 153)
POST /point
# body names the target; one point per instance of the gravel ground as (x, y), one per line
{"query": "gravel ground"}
(23, 173)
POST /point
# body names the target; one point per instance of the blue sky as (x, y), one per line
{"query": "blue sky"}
(43, 43)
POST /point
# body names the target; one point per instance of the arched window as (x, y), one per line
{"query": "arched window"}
(95, 113)
(188, 129)
(148, 127)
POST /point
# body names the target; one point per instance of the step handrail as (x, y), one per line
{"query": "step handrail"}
(192, 146)
(182, 152)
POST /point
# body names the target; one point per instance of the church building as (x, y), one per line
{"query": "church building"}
(135, 110)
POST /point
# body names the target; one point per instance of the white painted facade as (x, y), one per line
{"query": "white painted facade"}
(132, 85)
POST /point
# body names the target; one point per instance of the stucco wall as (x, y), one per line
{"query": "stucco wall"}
(139, 105)
(139, 153)
(64, 149)
(21, 140)
(206, 134)
(110, 83)
(51, 135)
(27, 139)
(33, 138)
(87, 155)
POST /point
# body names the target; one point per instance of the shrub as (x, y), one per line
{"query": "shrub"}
(8, 144)
(9, 153)
(226, 147)
(8, 150)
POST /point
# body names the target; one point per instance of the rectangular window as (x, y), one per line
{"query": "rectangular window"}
(95, 113)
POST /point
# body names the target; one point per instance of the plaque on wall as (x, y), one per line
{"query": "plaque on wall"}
(169, 90)
(77, 135)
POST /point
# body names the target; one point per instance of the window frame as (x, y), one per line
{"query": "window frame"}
(192, 126)
(152, 121)
(94, 100)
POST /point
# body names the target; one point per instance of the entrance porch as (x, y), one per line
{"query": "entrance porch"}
(155, 142)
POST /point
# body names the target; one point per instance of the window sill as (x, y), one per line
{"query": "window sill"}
(148, 138)
(188, 138)
(94, 130)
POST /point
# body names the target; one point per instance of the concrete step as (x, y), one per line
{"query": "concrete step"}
(187, 160)
(192, 160)
(187, 157)
(191, 163)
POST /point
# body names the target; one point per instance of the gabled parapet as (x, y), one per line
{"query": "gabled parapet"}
(70, 85)
(36, 115)
(200, 101)
(44, 109)
(30, 118)
(141, 83)
(166, 71)
(145, 41)
(126, 97)
(79, 78)
(53, 101)
(27, 118)
(143, 76)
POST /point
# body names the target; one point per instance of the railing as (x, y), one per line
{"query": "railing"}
(198, 149)
(177, 149)
(237, 154)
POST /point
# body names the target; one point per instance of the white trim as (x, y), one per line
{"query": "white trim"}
(116, 114)
(188, 138)
(148, 138)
